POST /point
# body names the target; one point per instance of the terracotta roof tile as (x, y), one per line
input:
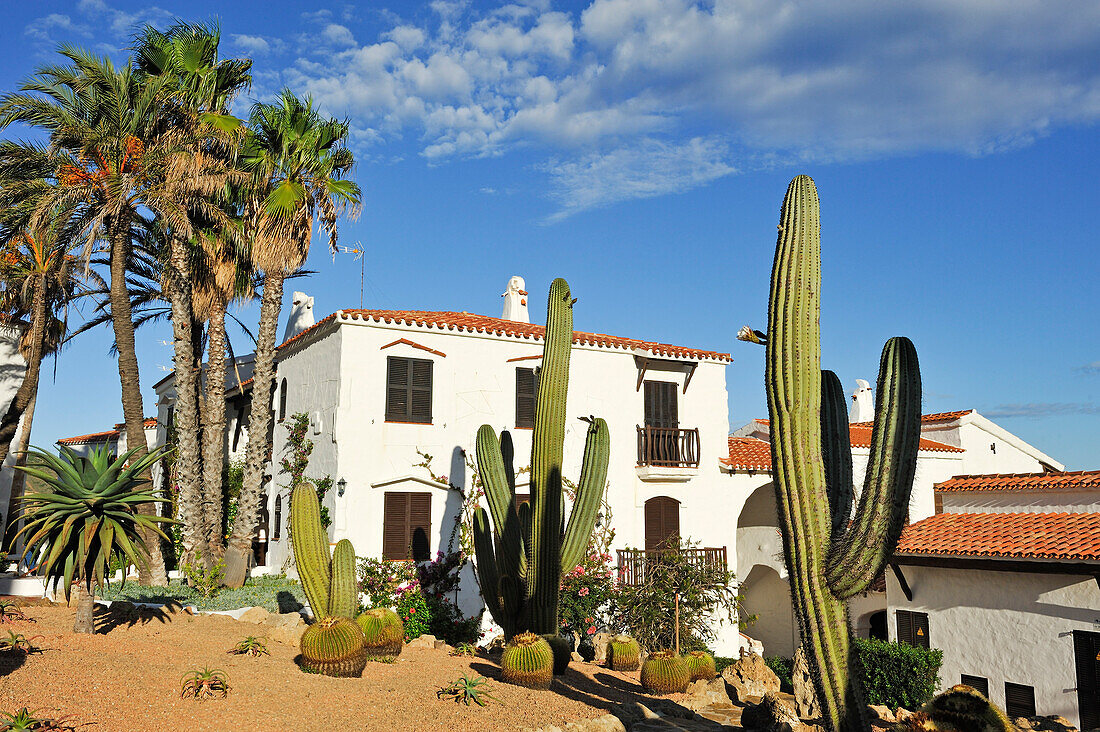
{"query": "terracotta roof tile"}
(928, 418)
(1073, 536)
(107, 436)
(468, 322)
(1077, 480)
(750, 453)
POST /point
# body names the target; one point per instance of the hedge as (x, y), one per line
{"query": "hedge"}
(897, 674)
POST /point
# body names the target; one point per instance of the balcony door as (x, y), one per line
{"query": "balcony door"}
(1086, 652)
(661, 446)
(662, 523)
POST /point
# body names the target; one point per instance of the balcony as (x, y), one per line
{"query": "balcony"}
(635, 563)
(667, 453)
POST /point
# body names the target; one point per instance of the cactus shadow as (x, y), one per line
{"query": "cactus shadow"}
(287, 602)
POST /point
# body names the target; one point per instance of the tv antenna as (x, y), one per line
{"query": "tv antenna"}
(357, 250)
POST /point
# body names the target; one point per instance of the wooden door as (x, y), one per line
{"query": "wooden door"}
(1086, 656)
(662, 523)
(661, 446)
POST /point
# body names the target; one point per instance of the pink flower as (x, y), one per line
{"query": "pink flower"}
(592, 630)
(583, 592)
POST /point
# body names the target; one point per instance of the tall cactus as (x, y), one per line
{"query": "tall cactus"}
(829, 557)
(328, 580)
(522, 555)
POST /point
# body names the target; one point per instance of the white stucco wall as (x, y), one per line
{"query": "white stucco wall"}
(1054, 501)
(989, 447)
(1004, 626)
(932, 467)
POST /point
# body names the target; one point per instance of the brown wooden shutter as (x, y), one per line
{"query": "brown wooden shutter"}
(395, 526)
(522, 498)
(397, 389)
(278, 517)
(920, 630)
(905, 627)
(979, 683)
(420, 391)
(1019, 700)
(662, 523)
(938, 499)
(525, 398)
(420, 526)
(661, 408)
(408, 390)
(1086, 657)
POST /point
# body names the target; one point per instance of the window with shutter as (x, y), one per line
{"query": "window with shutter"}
(979, 683)
(1086, 656)
(408, 390)
(662, 523)
(661, 406)
(406, 526)
(905, 627)
(1019, 700)
(920, 630)
(526, 386)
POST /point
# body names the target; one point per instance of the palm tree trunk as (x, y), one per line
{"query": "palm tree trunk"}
(189, 458)
(259, 425)
(24, 400)
(85, 610)
(133, 410)
(19, 478)
(213, 435)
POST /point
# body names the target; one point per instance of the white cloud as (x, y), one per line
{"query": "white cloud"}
(120, 22)
(338, 35)
(44, 28)
(256, 45)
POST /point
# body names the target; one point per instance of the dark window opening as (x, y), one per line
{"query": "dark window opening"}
(408, 390)
(1019, 700)
(980, 683)
(282, 400)
(877, 621)
(913, 628)
(277, 532)
(1086, 656)
(406, 524)
(526, 390)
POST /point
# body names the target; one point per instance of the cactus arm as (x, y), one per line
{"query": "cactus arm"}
(488, 575)
(884, 502)
(544, 556)
(836, 445)
(343, 597)
(500, 493)
(590, 489)
(310, 544)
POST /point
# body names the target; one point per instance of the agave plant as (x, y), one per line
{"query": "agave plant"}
(250, 646)
(464, 649)
(11, 612)
(88, 515)
(204, 683)
(19, 643)
(467, 691)
(25, 721)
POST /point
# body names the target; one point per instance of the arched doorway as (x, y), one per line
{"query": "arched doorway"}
(767, 596)
(662, 523)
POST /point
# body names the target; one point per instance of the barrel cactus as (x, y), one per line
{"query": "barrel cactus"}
(383, 632)
(700, 665)
(665, 673)
(563, 652)
(959, 709)
(831, 555)
(623, 653)
(327, 579)
(333, 646)
(522, 555)
(528, 661)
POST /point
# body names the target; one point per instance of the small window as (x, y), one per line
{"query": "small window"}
(1019, 700)
(282, 400)
(980, 683)
(913, 628)
(278, 518)
(526, 388)
(408, 390)
(406, 526)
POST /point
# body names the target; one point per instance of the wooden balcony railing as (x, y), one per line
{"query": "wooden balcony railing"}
(635, 563)
(668, 447)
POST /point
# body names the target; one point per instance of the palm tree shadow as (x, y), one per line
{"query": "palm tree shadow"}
(128, 614)
(10, 662)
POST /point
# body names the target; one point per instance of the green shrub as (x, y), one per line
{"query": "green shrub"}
(413, 610)
(720, 663)
(275, 593)
(782, 668)
(897, 674)
(435, 615)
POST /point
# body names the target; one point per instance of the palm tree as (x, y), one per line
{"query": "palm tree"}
(90, 514)
(298, 161)
(186, 56)
(114, 147)
(38, 280)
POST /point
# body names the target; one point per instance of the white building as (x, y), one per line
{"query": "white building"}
(1010, 593)
(115, 439)
(951, 443)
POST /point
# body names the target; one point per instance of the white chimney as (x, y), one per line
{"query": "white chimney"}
(301, 315)
(515, 301)
(863, 403)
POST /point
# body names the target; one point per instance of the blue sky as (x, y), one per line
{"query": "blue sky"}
(641, 148)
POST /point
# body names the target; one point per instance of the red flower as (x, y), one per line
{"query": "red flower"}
(592, 630)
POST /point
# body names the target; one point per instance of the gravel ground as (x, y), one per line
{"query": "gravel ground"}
(128, 679)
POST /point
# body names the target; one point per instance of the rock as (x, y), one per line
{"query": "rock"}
(902, 714)
(600, 642)
(605, 723)
(576, 657)
(749, 676)
(254, 615)
(770, 715)
(805, 695)
(496, 645)
(424, 641)
(440, 645)
(702, 694)
(286, 628)
(882, 713)
(1045, 724)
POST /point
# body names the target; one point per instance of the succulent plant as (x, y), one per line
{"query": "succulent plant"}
(665, 673)
(464, 649)
(333, 647)
(700, 665)
(383, 632)
(528, 661)
(467, 691)
(25, 720)
(623, 653)
(249, 646)
(10, 611)
(831, 555)
(327, 579)
(204, 683)
(563, 652)
(17, 643)
(521, 557)
(959, 709)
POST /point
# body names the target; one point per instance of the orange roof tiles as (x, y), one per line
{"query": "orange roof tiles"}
(750, 453)
(935, 417)
(1074, 536)
(468, 322)
(107, 436)
(861, 437)
(1077, 480)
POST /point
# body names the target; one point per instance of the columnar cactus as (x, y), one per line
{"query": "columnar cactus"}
(700, 665)
(343, 594)
(328, 580)
(830, 554)
(383, 632)
(665, 673)
(528, 661)
(521, 558)
(623, 653)
(333, 647)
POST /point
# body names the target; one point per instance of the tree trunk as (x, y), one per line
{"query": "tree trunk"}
(85, 609)
(24, 401)
(259, 426)
(19, 480)
(189, 508)
(213, 435)
(133, 411)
